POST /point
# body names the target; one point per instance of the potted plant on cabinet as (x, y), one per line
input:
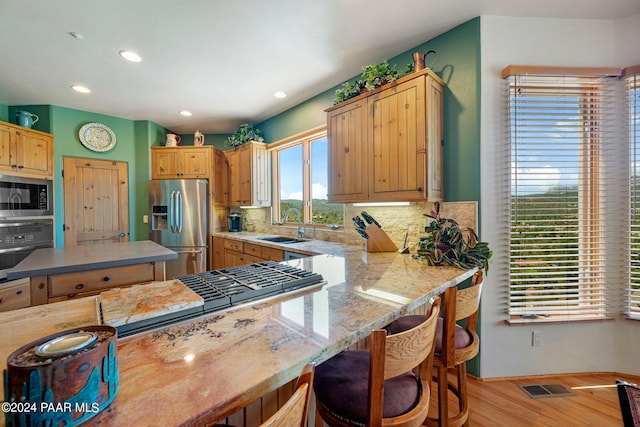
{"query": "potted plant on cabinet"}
(245, 133)
(372, 77)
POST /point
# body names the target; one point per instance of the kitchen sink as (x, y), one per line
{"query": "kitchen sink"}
(282, 239)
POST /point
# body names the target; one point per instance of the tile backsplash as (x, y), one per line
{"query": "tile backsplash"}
(395, 220)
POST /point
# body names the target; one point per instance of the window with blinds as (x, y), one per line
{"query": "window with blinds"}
(632, 89)
(559, 131)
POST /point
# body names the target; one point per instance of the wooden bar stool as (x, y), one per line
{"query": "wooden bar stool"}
(454, 346)
(295, 411)
(382, 385)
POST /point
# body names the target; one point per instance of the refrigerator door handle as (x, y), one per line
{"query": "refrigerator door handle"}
(172, 213)
(179, 212)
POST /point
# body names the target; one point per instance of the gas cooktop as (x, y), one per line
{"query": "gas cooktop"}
(229, 287)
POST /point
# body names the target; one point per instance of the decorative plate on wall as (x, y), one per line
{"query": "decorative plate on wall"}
(97, 137)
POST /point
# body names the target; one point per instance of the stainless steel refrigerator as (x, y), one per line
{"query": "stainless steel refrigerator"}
(178, 220)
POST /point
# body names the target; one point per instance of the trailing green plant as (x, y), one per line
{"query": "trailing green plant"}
(372, 77)
(376, 75)
(348, 90)
(448, 243)
(245, 133)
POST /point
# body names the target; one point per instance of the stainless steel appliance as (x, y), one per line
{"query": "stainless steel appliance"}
(178, 220)
(19, 238)
(22, 197)
(234, 221)
(229, 287)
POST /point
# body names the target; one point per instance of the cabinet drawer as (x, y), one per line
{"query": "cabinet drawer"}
(233, 245)
(16, 296)
(272, 254)
(253, 249)
(95, 280)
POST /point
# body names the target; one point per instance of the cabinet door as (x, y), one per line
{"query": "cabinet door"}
(347, 135)
(34, 153)
(435, 139)
(218, 260)
(398, 142)
(194, 163)
(261, 179)
(240, 175)
(18, 295)
(6, 140)
(233, 159)
(164, 163)
(220, 181)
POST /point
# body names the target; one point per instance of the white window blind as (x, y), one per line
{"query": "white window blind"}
(632, 89)
(559, 133)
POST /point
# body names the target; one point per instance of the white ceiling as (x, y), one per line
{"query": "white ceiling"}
(223, 60)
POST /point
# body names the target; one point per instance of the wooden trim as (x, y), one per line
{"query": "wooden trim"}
(561, 71)
(293, 139)
(628, 71)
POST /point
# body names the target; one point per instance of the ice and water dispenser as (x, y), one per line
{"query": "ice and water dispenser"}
(159, 218)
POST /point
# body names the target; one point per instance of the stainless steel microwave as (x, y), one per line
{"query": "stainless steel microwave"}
(20, 196)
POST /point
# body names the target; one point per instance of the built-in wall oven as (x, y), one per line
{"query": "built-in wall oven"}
(25, 197)
(19, 238)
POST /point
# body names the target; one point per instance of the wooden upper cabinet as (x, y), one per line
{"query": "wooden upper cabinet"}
(387, 145)
(249, 175)
(347, 131)
(25, 151)
(181, 162)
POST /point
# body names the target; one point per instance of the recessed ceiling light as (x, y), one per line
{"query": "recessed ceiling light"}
(130, 56)
(81, 89)
(280, 94)
(186, 113)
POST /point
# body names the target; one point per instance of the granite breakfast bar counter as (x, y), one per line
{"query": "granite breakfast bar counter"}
(203, 370)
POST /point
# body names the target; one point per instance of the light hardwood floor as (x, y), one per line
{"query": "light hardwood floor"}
(496, 403)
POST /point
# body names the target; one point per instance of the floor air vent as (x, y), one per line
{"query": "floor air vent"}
(538, 391)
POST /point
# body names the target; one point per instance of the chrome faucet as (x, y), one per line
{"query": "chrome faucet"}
(301, 229)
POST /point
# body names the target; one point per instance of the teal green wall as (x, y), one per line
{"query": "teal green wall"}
(458, 64)
(217, 140)
(4, 112)
(133, 141)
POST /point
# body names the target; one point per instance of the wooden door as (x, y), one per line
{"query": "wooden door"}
(347, 134)
(96, 201)
(398, 142)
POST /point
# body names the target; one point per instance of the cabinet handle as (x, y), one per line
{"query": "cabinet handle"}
(420, 189)
(21, 167)
(14, 166)
(80, 286)
(19, 292)
(106, 278)
(346, 149)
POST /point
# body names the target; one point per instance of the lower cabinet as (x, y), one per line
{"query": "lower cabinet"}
(65, 286)
(231, 253)
(16, 295)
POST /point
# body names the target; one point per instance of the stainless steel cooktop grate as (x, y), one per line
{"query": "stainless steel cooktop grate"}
(230, 286)
(227, 287)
